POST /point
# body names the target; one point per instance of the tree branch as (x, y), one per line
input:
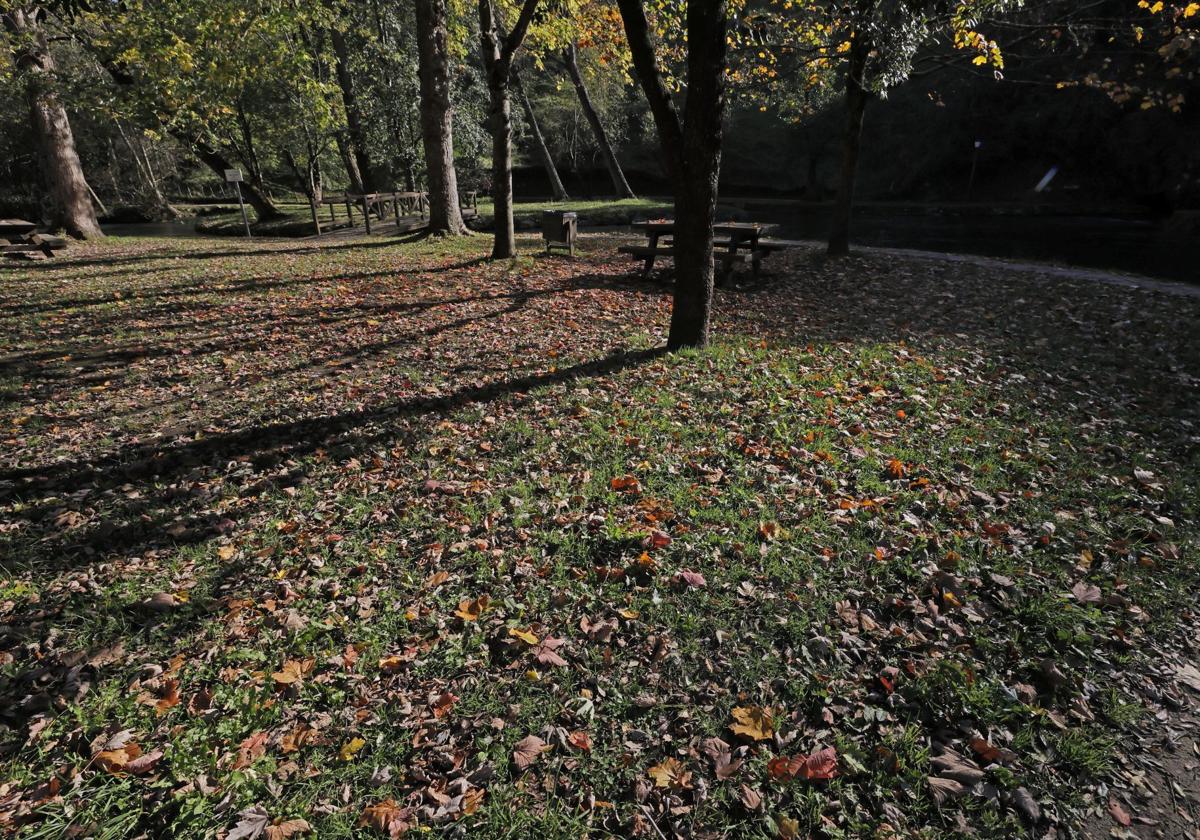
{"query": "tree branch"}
(641, 48)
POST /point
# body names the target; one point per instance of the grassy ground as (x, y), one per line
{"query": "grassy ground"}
(376, 536)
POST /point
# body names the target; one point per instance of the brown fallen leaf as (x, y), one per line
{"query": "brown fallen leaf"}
(944, 789)
(287, 828)
(527, 751)
(1119, 814)
(545, 654)
(293, 671)
(387, 817)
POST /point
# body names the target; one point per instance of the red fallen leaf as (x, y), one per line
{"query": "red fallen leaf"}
(986, 752)
(144, 763)
(250, 750)
(782, 768)
(625, 484)
(657, 539)
(580, 740)
(1119, 814)
(693, 579)
(821, 765)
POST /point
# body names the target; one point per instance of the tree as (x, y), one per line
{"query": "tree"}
(498, 53)
(620, 185)
(691, 146)
(437, 120)
(356, 134)
(68, 203)
(557, 191)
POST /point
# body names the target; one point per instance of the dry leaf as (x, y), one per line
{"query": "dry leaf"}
(753, 722)
(527, 751)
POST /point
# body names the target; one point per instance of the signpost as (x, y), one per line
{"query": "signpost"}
(234, 176)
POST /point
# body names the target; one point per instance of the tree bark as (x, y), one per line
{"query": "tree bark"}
(856, 106)
(68, 203)
(215, 160)
(692, 149)
(620, 185)
(437, 118)
(355, 128)
(350, 162)
(497, 62)
(557, 191)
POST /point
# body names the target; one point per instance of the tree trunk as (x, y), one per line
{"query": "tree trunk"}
(856, 106)
(218, 163)
(68, 203)
(353, 175)
(620, 185)
(497, 61)
(437, 118)
(557, 191)
(354, 121)
(692, 148)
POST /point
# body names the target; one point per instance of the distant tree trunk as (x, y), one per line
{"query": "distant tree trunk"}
(353, 175)
(557, 191)
(68, 202)
(216, 160)
(856, 106)
(620, 185)
(692, 148)
(498, 55)
(437, 118)
(250, 153)
(356, 131)
(152, 194)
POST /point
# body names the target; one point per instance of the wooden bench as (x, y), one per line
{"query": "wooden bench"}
(27, 245)
(721, 254)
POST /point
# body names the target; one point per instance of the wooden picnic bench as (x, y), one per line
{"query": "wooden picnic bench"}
(735, 242)
(24, 241)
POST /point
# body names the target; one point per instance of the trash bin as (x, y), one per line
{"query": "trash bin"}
(559, 229)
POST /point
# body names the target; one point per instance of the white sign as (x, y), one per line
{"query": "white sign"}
(233, 175)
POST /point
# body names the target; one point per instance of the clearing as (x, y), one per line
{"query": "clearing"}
(354, 538)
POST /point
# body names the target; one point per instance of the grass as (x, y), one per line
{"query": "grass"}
(892, 477)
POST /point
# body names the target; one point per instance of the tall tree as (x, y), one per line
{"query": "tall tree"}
(437, 117)
(498, 53)
(620, 185)
(557, 191)
(356, 132)
(691, 145)
(68, 203)
(857, 94)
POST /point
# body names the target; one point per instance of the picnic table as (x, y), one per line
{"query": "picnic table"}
(734, 242)
(24, 241)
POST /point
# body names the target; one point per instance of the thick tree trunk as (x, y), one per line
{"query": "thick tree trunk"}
(497, 62)
(437, 118)
(68, 203)
(620, 185)
(557, 191)
(692, 148)
(856, 106)
(354, 120)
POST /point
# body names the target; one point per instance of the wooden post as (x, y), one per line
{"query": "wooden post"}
(396, 210)
(350, 209)
(332, 216)
(367, 213)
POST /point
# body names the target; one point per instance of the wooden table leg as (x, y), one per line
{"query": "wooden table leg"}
(649, 266)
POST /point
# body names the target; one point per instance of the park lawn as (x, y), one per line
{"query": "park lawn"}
(382, 535)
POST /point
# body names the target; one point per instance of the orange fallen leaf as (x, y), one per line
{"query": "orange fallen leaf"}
(580, 740)
(670, 774)
(469, 610)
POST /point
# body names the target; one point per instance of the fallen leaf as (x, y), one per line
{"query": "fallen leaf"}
(753, 722)
(524, 635)
(943, 789)
(287, 828)
(527, 751)
(351, 749)
(580, 740)
(388, 817)
(1119, 814)
(670, 774)
(545, 652)
(471, 610)
(254, 821)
